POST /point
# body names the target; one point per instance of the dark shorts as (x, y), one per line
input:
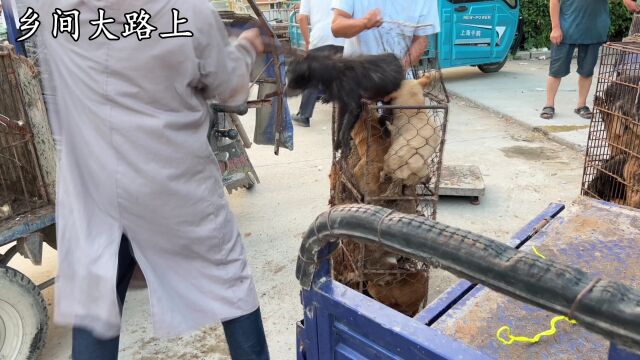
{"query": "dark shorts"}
(562, 55)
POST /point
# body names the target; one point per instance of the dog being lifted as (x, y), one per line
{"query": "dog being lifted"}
(347, 81)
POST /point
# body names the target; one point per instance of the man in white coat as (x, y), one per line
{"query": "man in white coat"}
(127, 95)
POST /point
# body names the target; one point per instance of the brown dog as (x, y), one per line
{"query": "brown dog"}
(371, 144)
(415, 136)
(632, 177)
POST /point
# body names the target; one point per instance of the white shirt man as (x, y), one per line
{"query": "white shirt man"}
(319, 17)
(318, 14)
(403, 31)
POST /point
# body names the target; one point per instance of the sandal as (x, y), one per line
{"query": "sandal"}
(584, 112)
(547, 112)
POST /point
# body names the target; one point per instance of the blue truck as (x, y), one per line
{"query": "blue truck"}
(478, 33)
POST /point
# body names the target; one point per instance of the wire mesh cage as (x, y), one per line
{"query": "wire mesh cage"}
(21, 184)
(395, 162)
(612, 163)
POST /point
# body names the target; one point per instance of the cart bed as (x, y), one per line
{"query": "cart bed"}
(14, 228)
(601, 238)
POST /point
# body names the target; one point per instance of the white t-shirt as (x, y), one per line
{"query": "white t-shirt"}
(402, 20)
(320, 16)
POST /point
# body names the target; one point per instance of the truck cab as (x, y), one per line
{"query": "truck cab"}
(476, 32)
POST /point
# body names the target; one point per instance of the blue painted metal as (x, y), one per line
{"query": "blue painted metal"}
(454, 294)
(444, 302)
(483, 33)
(12, 230)
(340, 323)
(12, 31)
(618, 353)
(536, 225)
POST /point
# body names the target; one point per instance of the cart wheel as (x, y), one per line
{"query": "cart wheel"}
(23, 316)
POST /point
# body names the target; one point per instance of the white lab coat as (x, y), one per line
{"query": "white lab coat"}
(130, 120)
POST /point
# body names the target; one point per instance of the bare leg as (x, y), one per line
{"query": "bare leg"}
(584, 85)
(552, 89)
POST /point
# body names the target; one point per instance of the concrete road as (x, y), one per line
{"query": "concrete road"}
(518, 92)
(523, 172)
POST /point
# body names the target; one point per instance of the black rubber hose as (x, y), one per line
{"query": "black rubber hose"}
(608, 308)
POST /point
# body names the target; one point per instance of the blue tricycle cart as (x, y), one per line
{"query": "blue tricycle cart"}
(589, 273)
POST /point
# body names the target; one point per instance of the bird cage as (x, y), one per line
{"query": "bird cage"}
(612, 162)
(395, 162)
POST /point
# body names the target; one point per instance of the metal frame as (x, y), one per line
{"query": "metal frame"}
(457, 292)
(12, 31)
(349, 325)
(343, 324)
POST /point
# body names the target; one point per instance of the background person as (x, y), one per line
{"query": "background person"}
(581, 24)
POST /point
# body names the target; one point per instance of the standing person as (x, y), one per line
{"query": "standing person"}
(316, 13)
(362, 24)
(137, 180)
(581, 24)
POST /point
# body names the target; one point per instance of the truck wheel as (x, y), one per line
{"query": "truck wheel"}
(23, 316)
(493, 68)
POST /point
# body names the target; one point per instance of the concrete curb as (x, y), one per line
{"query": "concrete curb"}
(532, 55)
(553, 137)
(542, 55)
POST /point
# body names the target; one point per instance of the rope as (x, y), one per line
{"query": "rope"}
(510, 339)
(536, 338)
(581, 295)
